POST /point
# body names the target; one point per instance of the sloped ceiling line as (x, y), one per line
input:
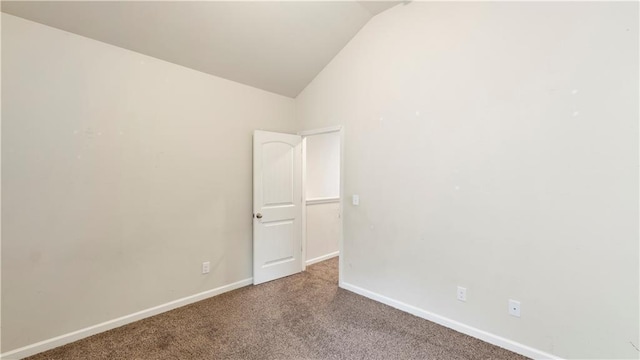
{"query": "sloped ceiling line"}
(278, 46)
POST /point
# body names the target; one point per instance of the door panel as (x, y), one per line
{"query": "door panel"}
(277, 197)
(277, 173)
(276, 250)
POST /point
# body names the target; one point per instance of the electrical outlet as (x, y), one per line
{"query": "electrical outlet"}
(355, 200)
(462, 293)
(206, 266)
(514, 308)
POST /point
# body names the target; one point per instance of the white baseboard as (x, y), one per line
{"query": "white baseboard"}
(322, 258)
(111, 324)
(127, 319)
(452, 324)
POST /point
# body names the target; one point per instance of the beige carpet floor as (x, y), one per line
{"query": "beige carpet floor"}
(304, 316)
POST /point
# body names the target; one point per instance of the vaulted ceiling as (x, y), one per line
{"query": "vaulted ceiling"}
(278, 46)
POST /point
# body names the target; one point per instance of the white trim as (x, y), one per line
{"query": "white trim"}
(325, 200)
(452, 324)
(341, 238)
(322, 258)
(320, 131)
(111, 324)
(303, 245)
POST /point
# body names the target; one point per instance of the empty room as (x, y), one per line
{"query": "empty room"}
(320, 180)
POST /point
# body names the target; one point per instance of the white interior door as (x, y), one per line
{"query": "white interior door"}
(277, 205)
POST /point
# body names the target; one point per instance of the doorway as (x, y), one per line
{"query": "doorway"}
(297, 196)
(322, 154)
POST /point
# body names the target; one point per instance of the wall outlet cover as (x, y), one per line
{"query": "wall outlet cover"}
(462, 293)
(206, 267)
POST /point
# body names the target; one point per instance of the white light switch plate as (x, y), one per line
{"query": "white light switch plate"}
(356, 200)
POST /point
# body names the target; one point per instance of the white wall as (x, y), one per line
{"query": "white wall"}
(323, 166)
(323, 231)
(121, 174)
(494, 146)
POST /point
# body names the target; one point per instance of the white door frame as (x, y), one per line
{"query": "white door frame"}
(334, 129)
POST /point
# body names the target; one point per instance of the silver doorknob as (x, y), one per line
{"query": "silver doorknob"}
(259, 216)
